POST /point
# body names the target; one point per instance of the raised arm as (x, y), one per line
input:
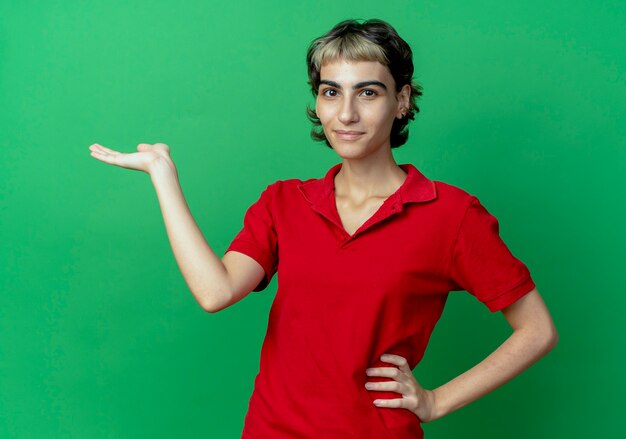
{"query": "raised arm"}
(215, 283)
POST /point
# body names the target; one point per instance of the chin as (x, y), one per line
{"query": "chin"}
(345, 154)
(351, 150)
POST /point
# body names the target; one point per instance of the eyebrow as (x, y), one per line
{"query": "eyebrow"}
(356, 86)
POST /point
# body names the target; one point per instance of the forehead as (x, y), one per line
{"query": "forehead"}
(344, 71)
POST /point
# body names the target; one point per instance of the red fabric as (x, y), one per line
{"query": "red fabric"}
(342, 301)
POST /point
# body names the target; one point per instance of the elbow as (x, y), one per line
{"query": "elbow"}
(209, 308)
(550, 339)
(553, 339)
(211, 302)
(542, 339)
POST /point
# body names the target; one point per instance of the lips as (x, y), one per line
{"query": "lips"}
(348, 135)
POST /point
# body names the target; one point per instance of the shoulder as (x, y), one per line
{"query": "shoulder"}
(281, 192)
(290, 187)
(433, 195)
(453, 198)
(452, 193)
(470, 213)
(291, 183)
(284, 184)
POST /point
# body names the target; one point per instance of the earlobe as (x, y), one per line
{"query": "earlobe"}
(403, 99)
(402, 110)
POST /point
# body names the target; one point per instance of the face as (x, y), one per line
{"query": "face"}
(357, 103)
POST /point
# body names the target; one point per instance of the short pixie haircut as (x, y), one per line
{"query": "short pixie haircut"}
(371, 40)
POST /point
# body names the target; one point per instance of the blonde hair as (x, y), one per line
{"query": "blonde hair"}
(349, 47)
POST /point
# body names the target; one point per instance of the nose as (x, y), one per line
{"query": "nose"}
(348, 112)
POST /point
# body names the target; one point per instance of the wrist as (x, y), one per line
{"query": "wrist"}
(438, 410)
(162, 167)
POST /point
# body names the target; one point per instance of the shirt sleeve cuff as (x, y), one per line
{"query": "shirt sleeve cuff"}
(509, 297)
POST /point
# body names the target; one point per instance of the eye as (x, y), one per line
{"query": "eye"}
(369, 93)
(329, 92)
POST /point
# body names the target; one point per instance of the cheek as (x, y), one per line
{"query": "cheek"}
(380, 116)
(381, 121)
(323, 112)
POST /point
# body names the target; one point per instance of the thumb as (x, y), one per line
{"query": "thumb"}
(143, 147)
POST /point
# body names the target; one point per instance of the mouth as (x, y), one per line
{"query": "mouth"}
(348, 135)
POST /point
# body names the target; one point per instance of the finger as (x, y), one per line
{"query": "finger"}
(398, 360)
(391, 403)
(96, 147)
(104, 157)
(102, 148)
(382, 386)
(383, 371)
(98, 150)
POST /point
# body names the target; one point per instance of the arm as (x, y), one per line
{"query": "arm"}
(534, 335)
(215, 283)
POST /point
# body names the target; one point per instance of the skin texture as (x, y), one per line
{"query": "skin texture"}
(357, 120)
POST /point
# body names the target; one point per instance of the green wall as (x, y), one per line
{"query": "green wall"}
(523, 106)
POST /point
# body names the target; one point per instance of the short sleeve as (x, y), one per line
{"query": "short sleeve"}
(483, 265)
(258, 238)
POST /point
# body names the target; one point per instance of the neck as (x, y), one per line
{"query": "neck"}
(365, 178)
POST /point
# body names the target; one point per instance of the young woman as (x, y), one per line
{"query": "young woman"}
(366, 257)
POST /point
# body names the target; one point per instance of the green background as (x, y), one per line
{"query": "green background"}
(523, 106)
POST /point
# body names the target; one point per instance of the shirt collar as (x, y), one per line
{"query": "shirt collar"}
(415, 188)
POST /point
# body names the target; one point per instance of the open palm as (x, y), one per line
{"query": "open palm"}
(142, 160)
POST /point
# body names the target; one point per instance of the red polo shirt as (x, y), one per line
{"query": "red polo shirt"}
(344, 300)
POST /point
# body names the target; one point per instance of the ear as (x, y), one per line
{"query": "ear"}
(403, 97)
